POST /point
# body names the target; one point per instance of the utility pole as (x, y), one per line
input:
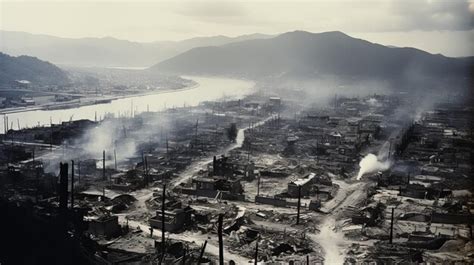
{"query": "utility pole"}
(163, 219)
(146, 171)
(79, 171)
(51, 135)
(37, 171)
(103, 165)
(72, 184)
(221, 243)
(63, 172)
(391, 226)
(299, 205)
(196, 132)
(115, 158)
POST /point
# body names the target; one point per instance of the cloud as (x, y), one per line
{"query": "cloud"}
(433, 14)
(435, 25)
(212, 10)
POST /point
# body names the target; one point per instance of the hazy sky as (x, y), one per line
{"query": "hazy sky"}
(438, 26)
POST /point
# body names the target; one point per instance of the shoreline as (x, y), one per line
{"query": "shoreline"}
(106, 100)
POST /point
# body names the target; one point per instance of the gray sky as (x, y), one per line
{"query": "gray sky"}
(438, 26)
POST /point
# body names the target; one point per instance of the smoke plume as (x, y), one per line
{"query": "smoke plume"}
(371, 163)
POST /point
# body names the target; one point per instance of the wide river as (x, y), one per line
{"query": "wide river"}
(208, 89)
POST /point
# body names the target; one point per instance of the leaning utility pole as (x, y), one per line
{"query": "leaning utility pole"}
(202, 251)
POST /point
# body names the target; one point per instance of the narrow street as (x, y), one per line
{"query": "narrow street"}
(330, 237)
(145, 194)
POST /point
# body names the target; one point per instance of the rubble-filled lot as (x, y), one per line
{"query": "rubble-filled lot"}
(319, 184)
(429, 188)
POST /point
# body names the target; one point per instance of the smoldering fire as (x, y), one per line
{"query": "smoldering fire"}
(371, 163)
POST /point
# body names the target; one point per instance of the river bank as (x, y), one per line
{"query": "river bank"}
(206, 89)
(87, 101)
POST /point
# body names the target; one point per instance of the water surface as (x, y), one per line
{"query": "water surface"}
(208, 88)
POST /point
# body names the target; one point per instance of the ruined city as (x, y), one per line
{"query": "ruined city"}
(255, 179)
(132, 139)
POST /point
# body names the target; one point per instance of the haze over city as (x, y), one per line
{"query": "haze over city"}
(237, 132)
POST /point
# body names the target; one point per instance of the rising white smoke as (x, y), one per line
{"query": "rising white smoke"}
(371, 163)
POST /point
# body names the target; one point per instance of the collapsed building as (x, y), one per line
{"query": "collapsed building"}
(274, 192)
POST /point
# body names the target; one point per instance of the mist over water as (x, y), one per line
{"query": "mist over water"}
(125, 136)
(209, 88)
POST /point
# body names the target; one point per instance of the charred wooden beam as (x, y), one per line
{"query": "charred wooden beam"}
(202, 251)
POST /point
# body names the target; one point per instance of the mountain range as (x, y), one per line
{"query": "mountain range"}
(31, 69)
(104, 52)
(305, 54)
(296, 54)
